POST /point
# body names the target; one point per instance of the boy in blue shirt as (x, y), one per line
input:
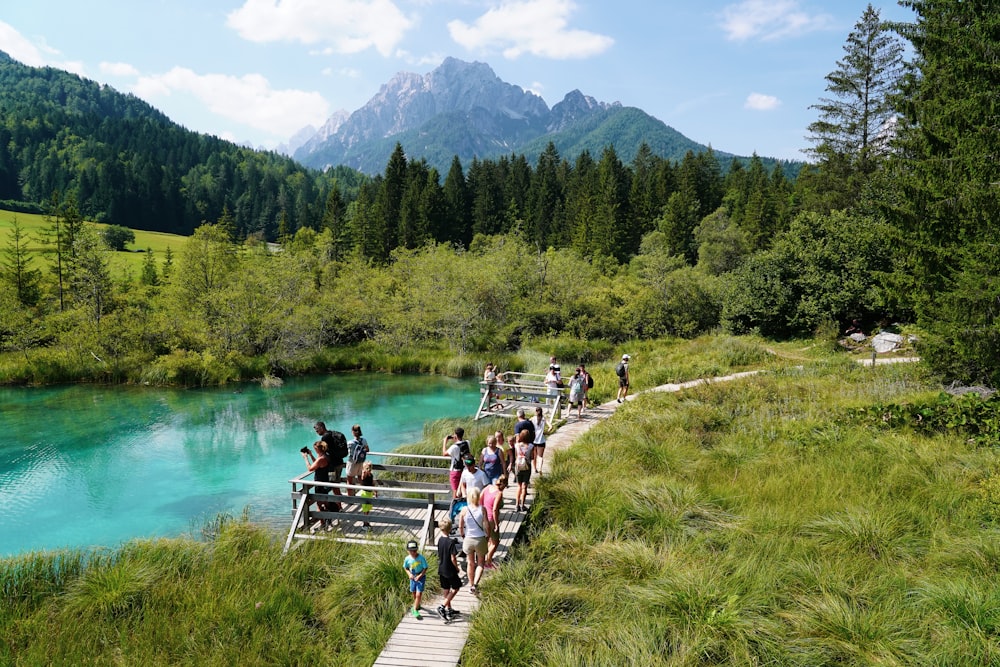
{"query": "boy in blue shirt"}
(416, 569)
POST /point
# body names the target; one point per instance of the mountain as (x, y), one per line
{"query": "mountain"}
(465, 109)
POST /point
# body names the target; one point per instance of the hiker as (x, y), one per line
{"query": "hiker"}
(577, 391)
(621, 370)
(522, 468)
(448, 570)
(552, 382)
(457, 448)
(472, 477)
(492, 459)
(336, 450)
(474, 526)
(357, 453)
(319, 466)
(492, 501)
(538, 446)
(587, 385)
(523, 423)
(416, 569)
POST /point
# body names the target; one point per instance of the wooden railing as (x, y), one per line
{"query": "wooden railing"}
(411, 506)
(513, 390)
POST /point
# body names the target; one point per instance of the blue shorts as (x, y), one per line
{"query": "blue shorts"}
(417, 585)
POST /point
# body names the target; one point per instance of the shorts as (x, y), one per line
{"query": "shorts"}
(353, 469)
(452, 583)
(622, 382)
(417, 585)
(538, 445)
(471, 545)
(454, 478)
(523, 476)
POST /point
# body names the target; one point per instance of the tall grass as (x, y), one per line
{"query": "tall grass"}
(232, 600)
(754, 522)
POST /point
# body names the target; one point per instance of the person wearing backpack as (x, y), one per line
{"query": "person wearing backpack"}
(457, 448)
(522, 468)
(357, 452)
(587, 385)
(336, 450)
(621, 370)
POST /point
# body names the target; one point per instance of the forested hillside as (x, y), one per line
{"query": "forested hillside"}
(126, 163)
(897, 220)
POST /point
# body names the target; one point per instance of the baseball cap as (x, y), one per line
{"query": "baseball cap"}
(411, 545)
(626, 357)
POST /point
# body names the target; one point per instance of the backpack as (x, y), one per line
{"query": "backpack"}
(620, 369)
(521, 463)
(358, 451)
(590, 381)
(338, 449)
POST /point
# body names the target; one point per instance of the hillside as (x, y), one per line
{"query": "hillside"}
(128, 164)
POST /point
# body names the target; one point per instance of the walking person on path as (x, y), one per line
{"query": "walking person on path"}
(492, 459)
(587, 385)
(474, 527)
(416, 569)
(457, 448)
(522, 467)
(523, 423)
(448, 570)
(621, 370)
(577, 392)
(492, 501)
(538, 448)
(357, 452)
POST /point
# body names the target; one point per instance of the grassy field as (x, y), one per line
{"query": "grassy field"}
(130, 259)
(757, 522)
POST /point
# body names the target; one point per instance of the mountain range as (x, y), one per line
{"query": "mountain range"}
(464, 109)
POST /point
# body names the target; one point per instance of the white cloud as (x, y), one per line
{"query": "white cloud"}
(248, 99)
(20, 48)
(538, 27)
(770, 19)
(118, 69)
(760, 102)
(347, 26)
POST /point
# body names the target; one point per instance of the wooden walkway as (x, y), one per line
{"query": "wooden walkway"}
(430, 641)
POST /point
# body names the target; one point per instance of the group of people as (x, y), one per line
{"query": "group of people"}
(330, 455)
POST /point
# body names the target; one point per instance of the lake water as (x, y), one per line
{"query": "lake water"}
(87, 465)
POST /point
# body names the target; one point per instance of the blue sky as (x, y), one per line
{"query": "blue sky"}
(739, 75)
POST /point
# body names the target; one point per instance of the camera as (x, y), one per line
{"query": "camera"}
(304, 450)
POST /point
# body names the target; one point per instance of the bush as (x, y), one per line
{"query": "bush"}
(117, 236)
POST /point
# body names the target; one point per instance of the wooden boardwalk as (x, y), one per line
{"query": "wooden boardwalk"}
(430, 641)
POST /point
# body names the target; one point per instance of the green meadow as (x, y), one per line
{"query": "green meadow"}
(780, 519)
(34, 226)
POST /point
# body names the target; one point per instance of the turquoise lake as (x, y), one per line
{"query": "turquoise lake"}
(87, 465)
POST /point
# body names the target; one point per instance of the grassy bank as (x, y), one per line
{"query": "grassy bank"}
(763, 521)
(757, 522)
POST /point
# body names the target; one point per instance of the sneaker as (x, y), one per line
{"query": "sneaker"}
(442, 612)
(474, 590)
(416, 614)
(621, 400)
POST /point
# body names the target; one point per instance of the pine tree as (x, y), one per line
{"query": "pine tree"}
(944, 189)
(149, 276)
(854, 124)
(17, 269)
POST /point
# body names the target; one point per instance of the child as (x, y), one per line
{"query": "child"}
(448, 570)
(368, 481)
(416, 569)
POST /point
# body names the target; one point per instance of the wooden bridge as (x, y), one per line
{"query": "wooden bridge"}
(407, 507)
(513, 390)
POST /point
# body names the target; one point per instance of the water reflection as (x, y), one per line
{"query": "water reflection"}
(88, 465)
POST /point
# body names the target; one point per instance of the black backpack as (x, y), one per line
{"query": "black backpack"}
(338, 445)
(620, 369)
(590, 381)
